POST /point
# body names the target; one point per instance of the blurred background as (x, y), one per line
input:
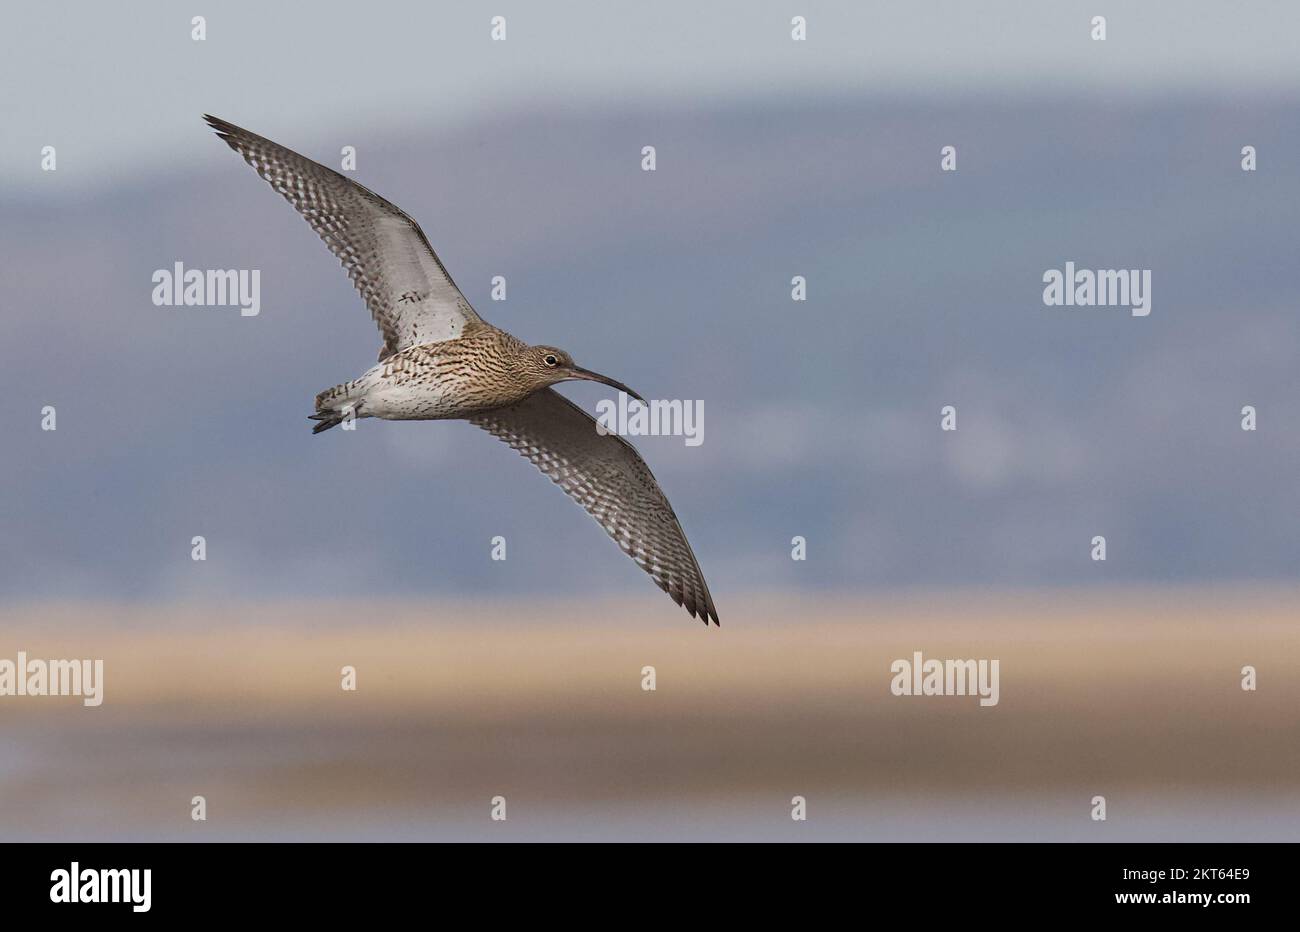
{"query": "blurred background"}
(775, 158)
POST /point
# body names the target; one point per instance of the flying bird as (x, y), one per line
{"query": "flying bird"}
(441, 361)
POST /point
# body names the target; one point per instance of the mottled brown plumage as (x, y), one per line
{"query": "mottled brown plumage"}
(440, 360)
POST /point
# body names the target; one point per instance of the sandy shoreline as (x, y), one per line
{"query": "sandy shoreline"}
(1124, 694)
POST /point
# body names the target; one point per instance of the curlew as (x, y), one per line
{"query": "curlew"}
(441, 361)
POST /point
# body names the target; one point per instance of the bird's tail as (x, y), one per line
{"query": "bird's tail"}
(326, 420)
(334, 406)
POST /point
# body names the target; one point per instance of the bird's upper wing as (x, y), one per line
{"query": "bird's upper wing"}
(386, 254)
(606, 476)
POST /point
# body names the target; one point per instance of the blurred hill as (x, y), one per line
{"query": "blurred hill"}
(821, 418)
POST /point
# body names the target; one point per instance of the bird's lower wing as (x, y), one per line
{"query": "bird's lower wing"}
(606, 476)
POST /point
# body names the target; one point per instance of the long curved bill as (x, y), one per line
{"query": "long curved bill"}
(576, 372)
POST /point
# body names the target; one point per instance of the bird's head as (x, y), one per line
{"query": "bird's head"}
(550, 364)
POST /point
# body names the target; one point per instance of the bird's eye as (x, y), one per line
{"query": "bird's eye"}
(550, 359)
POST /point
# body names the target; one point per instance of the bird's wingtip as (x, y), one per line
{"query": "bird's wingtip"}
(223, 128)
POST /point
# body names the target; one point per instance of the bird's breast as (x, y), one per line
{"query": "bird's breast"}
(444, 380)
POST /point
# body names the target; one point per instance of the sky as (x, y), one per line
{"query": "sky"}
(117, 94)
